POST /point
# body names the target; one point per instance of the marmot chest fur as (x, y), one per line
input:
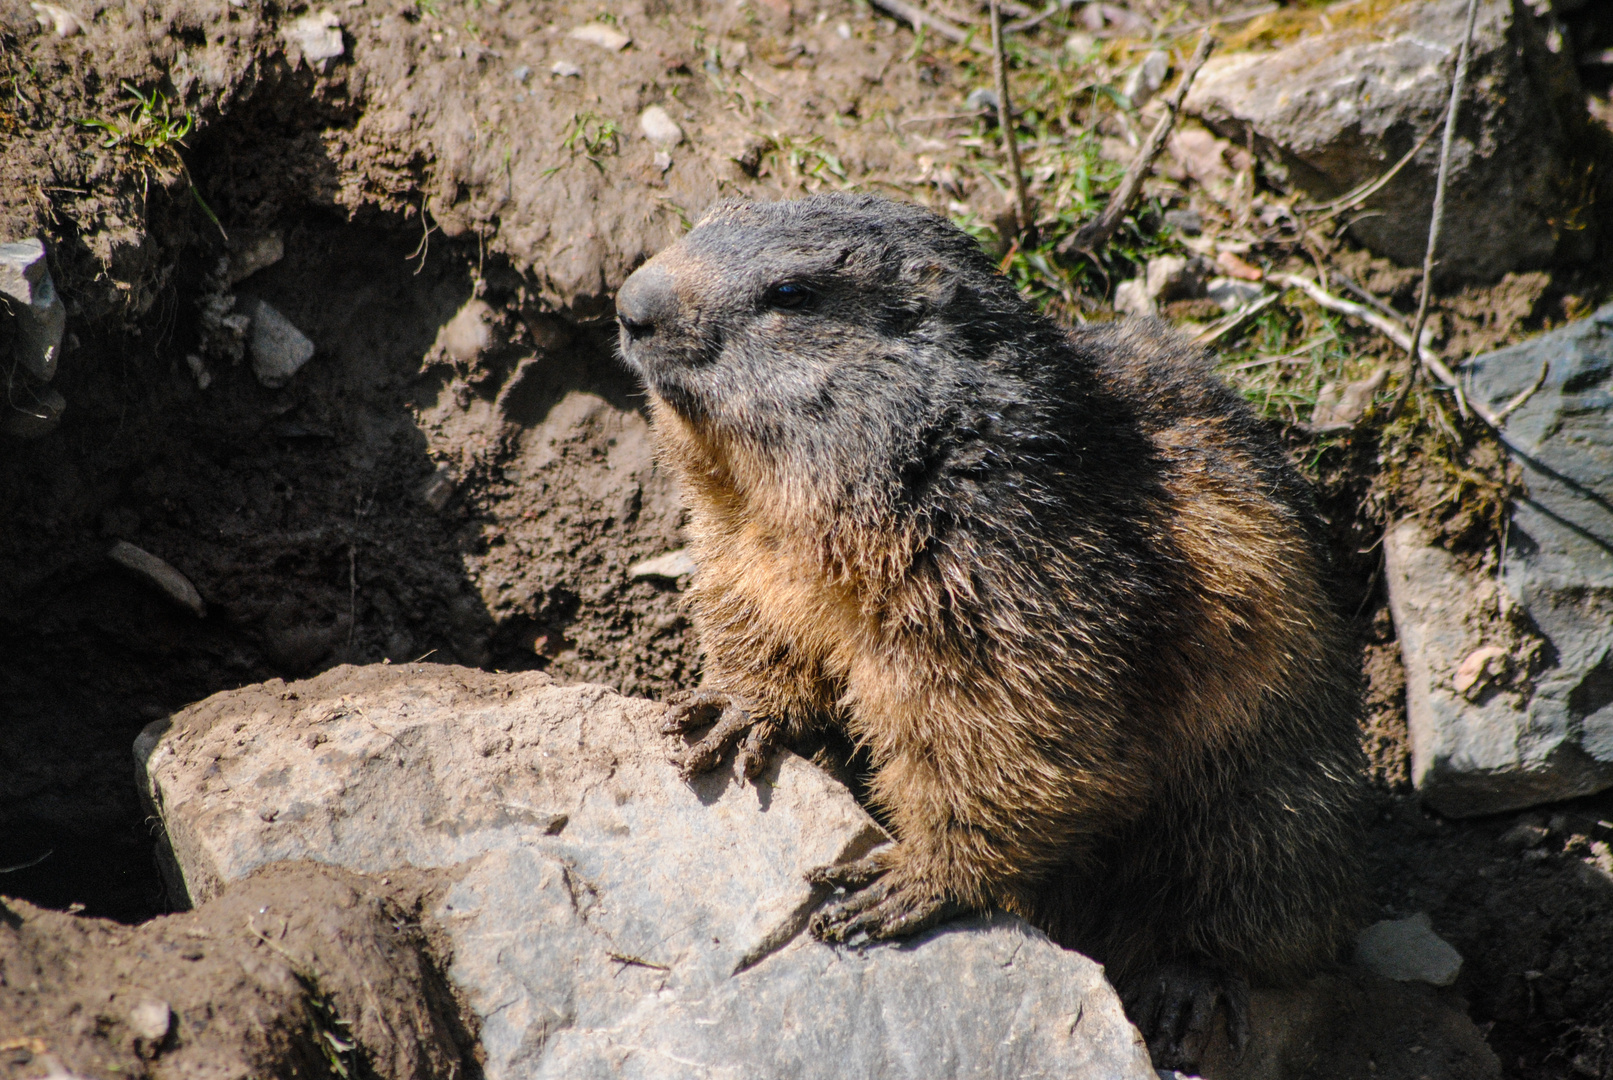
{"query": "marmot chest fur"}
(1062, 585)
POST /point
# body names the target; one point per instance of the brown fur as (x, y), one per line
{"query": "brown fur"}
(1102, 685)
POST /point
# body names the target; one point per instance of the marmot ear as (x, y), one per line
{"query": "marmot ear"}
(928, 282)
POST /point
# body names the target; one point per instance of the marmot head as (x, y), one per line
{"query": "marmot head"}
(831, 325)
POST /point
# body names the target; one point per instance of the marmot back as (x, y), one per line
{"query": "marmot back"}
(1063, 586)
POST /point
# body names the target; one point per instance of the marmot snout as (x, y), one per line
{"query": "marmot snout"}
(1062, 585)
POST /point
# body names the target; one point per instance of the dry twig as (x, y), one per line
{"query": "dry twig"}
(917, 16)
(1005, 123)
(1099, 229)
(1458, 82)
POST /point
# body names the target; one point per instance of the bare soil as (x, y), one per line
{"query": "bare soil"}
(410, 497)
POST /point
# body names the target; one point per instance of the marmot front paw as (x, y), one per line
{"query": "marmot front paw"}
(691, 709)
(882, 906)
(1175, 1009)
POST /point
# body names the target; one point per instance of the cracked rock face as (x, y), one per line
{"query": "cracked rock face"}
(1337, 109)
(604, 917)
(1493, 726)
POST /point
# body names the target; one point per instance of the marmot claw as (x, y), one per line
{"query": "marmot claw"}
(691, 709)
(880, 911)
(1175, 1010)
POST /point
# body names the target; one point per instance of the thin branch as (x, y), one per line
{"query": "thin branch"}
(1528, 392)
(1005, 124)
(1458, 83)
(1097, 231)
(917, 16)
(1230, 322)
(1392, 329)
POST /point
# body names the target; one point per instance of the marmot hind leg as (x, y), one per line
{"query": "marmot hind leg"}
(1175, 1007)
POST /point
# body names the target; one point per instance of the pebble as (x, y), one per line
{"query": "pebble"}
(1232, 294)
(318, 36)
(606, 37)
(160, 574)
(663, 161)
(1524, 835)
(251, 252)
(151, 1020)
(1171, 277)
(565, 69)
(1480, 668)
(438, 489)
(277, 348)
(468, 334)
(1147, 77)
(1186, 222)
(659, 127)
(521, 74)
(64, 22)
(1408, 950)
(41, 315)
(981, 100)
(672, 565)
(1131, 298)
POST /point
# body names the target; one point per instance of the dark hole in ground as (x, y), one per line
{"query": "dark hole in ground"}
(300, 515)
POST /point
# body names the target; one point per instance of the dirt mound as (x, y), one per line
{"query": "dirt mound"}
(302, 970)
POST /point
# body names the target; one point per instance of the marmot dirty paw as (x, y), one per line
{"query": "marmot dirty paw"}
(688, 710)
(1175, 1009)
(850, 875)
(883, 910)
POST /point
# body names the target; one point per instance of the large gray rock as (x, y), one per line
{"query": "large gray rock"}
(1337, 109)
(1542, 728)
(607, 919)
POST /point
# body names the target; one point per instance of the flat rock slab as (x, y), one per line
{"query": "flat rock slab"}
(606, 918)
(1547, 733)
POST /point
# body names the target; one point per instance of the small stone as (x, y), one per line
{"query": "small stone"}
(1131, 298)
(521, 74)
(1232, 294)
(981, 100)
(317, 37)
(565, 69)
(1524, 836)
(438, 489)
(198, 368)
(160, 574)
(1172, 277)
(1147, 77)
(277, 348)
(1408, 950)
(606, 37)
(253, 251)
(468, 334)
(1478, 670)
(32, 414)
(41, 315)
(59, 19)
(659, 127)
(150, 1021)
(662, 160)
(1186, 222)
(672, 565)
(1082, 45)
(843, 30)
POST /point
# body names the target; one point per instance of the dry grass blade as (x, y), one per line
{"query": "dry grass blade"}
(917, 16)
(1392, 329)
(1228, 323)
(1096, 232)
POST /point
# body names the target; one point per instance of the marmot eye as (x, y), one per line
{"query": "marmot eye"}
(788, 294)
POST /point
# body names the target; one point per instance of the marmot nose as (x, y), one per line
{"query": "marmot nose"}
(647, 300)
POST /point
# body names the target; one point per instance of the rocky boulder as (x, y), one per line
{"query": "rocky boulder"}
(1338, 107)
(605, 918)
(1509, 681)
